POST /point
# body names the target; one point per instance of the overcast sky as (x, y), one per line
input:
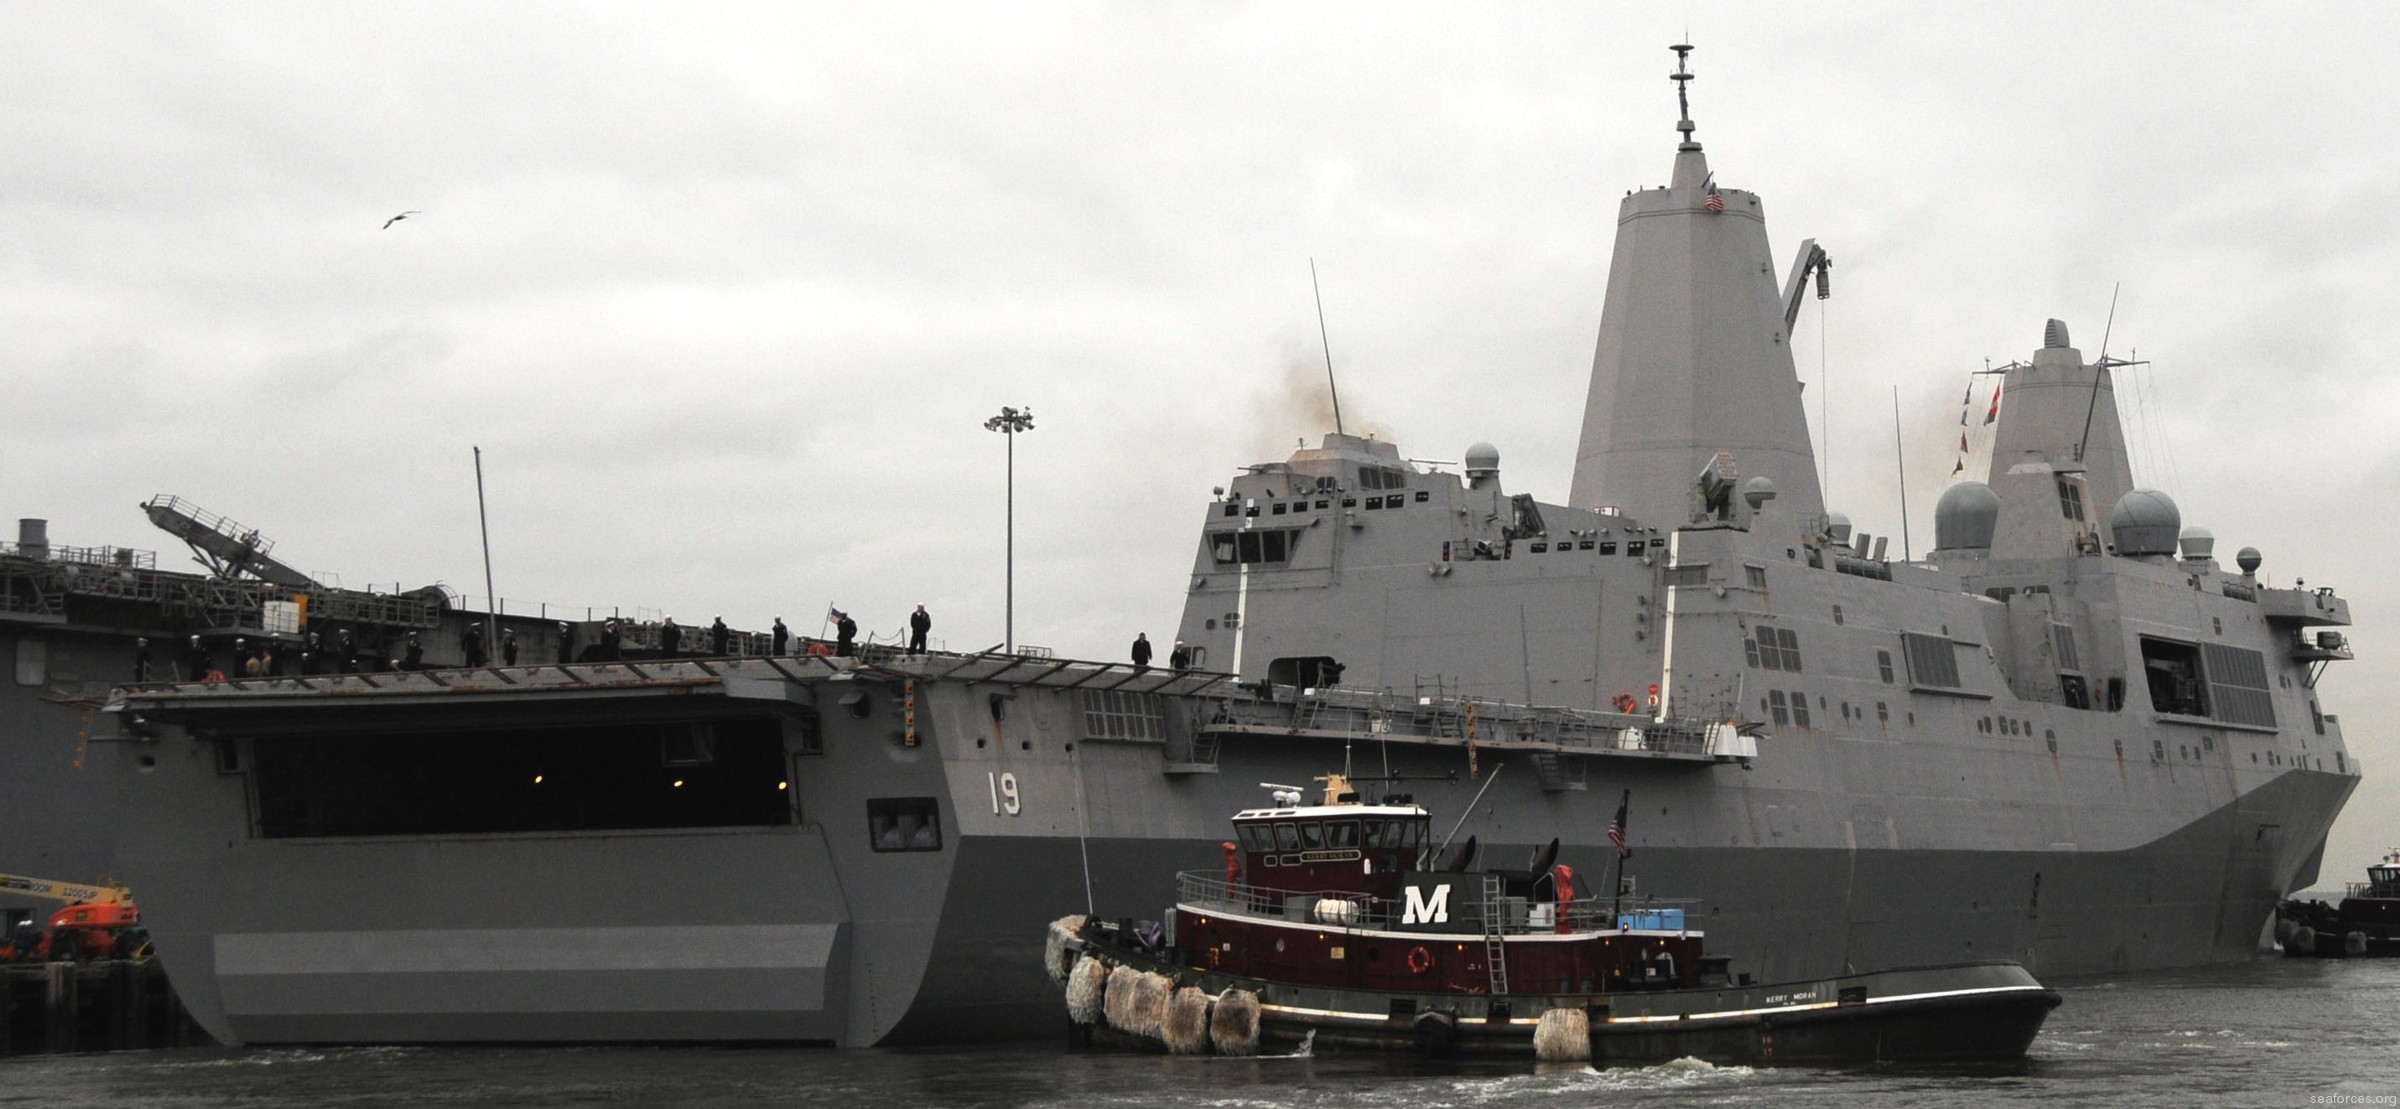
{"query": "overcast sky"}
(725, 292)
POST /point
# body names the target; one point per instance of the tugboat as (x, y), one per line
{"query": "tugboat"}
(2365, 924)
(1335, 924)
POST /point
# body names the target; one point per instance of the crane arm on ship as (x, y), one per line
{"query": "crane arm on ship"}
(85, 893)
(1812, 259)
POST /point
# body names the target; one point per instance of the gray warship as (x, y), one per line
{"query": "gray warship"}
(2066, 736)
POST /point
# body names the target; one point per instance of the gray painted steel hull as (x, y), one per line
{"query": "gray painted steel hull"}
(805, 934)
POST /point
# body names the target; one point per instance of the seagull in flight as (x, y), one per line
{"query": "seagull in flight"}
(387, 224)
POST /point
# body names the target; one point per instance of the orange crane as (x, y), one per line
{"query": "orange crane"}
(89, 927)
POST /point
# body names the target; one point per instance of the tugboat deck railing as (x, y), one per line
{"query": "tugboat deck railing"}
(1208, 891)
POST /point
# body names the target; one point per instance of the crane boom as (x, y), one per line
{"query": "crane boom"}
(73, 892)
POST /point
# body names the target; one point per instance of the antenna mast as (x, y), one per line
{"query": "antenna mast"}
(2098, 368)
(1901, 456)
(1321, 337)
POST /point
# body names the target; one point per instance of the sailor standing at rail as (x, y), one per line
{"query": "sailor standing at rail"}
(195, 659)
(845, 633)
(670, 638)
(919, 623)
(611, 640)
(345, 650)
(141, 660)
(508, 646)
(566, 641)
(471, 642)
(413, 656)
(783, 636)
(718, 633)
(1141, 651)
(1180, 658)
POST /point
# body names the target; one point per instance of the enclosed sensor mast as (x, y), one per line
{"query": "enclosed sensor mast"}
(1694, 356)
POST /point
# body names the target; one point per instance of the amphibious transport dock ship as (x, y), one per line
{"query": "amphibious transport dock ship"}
(2067, 736)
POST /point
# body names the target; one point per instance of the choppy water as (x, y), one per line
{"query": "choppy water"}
(2273, 1033)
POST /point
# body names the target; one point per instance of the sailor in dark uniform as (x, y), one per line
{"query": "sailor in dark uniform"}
(566, 641)
(345, 652)
(670, 638)
(718, 633)
(919, 623)
(1141, 652)
(1180, 658)
(783, 635)
(195, 660)
(611, 640)
(413, 656)
(845, 634)
(508, 646)
(470, 643)
(141, 660)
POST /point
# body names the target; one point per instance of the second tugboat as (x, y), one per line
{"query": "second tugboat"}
(1334, 921)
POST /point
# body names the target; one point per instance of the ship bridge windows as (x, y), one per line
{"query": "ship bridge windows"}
(1257, 545)
(1382, 477)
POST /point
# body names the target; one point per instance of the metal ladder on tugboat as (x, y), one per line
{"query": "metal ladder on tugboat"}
(1495, 952)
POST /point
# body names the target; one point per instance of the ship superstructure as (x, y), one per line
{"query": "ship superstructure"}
(2067, 736)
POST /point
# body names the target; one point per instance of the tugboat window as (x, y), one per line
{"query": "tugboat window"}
(1287, 836)
(1342, 834)
(1312, 836)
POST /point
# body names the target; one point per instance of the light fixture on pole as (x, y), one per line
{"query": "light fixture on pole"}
(1009, 422)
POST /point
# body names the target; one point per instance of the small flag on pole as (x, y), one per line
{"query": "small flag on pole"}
(1616, 827)
(1716, 201)
(1994, 414)
(1959, 469)
(1962, 442)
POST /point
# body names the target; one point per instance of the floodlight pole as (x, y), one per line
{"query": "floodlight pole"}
(1009, 422)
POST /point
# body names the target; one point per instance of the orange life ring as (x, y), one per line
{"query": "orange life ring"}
(1419, 959)
(815, 648)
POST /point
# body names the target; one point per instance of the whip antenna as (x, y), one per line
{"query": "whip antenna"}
(1323, 338)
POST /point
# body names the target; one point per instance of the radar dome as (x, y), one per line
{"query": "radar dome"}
(1483, 460)
(1758, 491)
(2248, 560)
(2145, 522)
(2199, 542)
(1965, 517)
(1837, 526)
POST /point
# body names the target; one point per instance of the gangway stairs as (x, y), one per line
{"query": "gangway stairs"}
(228, 549)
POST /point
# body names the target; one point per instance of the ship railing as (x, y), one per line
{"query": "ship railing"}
(1362, 711)
(1518, 916)
(122, 558)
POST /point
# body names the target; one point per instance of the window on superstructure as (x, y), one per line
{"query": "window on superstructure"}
(1777, 707)
(1312, 836)
(1883, 665)
(1287, 836)
(1800, 708)
(2062, 640)
(1756, 575)
(1342, 834)
(1118, 714)
(2070, 498)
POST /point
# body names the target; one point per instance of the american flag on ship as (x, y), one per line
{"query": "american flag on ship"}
(1716, 201)
(1616, 827)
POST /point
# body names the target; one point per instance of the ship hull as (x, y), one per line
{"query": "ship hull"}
(803, 933)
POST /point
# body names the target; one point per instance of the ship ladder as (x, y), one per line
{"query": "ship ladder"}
(1495, 952)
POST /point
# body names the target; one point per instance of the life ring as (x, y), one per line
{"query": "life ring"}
(815, 648)
(1420, 960)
